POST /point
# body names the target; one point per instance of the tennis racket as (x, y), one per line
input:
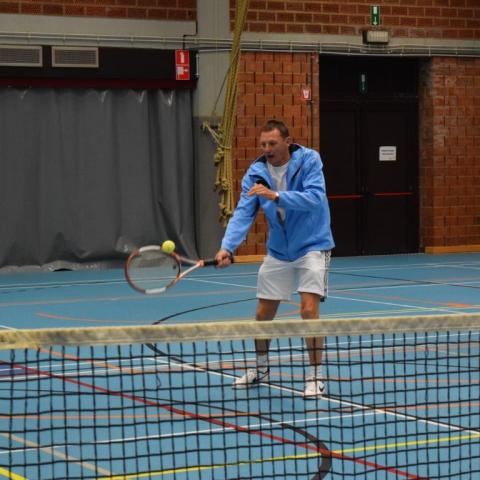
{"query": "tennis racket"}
(151, 271)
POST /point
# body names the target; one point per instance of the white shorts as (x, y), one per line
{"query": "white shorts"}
(278, 279)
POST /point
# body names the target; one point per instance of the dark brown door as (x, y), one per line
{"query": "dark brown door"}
(389, 187)
(369, 149)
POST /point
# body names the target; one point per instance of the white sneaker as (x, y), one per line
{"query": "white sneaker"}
(252, 378)
(314, 388)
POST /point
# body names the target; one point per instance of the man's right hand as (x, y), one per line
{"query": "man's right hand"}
(223, 258)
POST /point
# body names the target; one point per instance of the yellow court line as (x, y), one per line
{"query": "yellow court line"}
(470, 436)
(50, 451)
(386, 446)
(133, 476)
(12, 476)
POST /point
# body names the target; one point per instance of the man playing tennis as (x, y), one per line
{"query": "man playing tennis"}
(287, 182)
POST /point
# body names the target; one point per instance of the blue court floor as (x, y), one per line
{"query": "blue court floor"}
(359, 286)
(380, 286)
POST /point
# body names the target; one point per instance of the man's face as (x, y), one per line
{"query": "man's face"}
(275, 147)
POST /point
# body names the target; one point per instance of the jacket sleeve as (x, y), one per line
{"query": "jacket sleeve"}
(313, 193)
(242, 218)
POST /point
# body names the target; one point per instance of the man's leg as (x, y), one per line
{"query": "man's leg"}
(310, 309)
(275, 282)
(266, 310)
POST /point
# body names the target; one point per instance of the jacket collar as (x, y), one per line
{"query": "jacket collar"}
(294, 147)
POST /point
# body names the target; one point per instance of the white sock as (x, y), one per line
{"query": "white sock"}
(315, 371)
(262, 363)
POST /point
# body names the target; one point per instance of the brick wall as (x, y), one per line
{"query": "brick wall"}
(270, 86)
(450, 153)
(133, 9)
(453, 19)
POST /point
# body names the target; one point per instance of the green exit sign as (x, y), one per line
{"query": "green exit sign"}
(375, 15)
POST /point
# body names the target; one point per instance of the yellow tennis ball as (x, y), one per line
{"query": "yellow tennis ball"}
(168, 246)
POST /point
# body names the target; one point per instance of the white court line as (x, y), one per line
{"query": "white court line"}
(335, 289)
(369, 268)
(210, 431)
(128, 365)
(376, 313)
(372, 410)
(346, 298)
(225, 284)
(106, 281)
(52, 367)
(417, 307)
(411, 284)
(339, 289)
(403, 266)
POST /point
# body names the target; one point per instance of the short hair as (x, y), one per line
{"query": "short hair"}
(276, 125)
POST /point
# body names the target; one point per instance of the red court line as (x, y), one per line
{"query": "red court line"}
(209, 419)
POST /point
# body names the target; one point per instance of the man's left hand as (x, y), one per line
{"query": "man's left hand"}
(262, 191)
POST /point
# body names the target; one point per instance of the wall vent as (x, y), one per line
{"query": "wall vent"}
(20, 56)
(75, 57)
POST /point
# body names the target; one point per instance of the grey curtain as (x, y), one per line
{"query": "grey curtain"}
(86, 175)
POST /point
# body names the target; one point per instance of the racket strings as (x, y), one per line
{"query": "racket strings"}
(153, 269)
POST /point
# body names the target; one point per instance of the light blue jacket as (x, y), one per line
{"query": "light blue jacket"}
(307, 216)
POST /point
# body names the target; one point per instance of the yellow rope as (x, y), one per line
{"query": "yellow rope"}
(223, 137)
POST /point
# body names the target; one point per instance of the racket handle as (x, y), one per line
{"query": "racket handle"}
(212, 262)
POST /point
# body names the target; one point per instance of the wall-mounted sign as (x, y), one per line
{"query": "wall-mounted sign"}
(387, 154)
(362, 83)
(375, 15)
(306, 92)
(182, 64)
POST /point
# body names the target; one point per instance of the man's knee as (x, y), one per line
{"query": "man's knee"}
(266, 309)
(310, 305)
(309, 312)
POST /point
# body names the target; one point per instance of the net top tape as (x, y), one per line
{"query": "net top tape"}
(235, 330)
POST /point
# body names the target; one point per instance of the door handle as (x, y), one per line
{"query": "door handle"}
(392, 194)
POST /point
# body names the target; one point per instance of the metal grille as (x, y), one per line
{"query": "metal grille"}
(75, 57)
(20, 56)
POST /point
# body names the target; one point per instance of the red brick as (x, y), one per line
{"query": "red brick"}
(331, 8)
(30, 8)
(276, 28)
(49, 9)
(257, 27)
(125, 3)
(294, 28)
(313, 28)
(74, 10)
(157, 13)
(258, 4)
(9, 7)
(187, 4)
(285, 17)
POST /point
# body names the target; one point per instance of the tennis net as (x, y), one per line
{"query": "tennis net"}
(402, 401)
